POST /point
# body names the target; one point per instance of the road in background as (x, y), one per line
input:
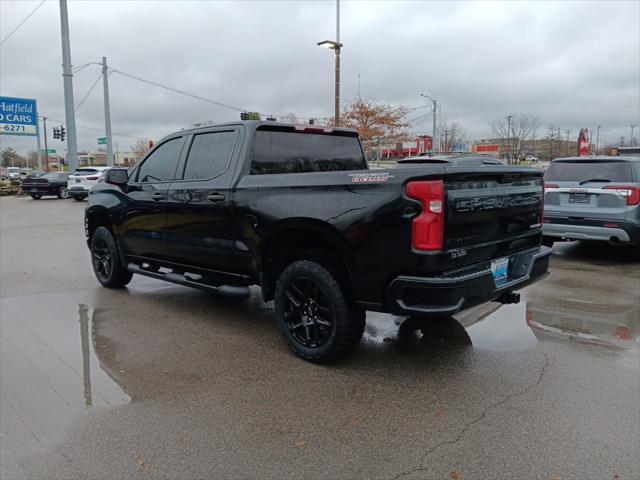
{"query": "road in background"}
(160, 381)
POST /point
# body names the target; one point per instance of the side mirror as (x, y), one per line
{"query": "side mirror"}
(117, 176)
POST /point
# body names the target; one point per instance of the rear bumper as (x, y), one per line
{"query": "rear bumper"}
(78, 192)
(592, 230)
(464, 288)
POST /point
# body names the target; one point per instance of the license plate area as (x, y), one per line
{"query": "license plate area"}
(78, 180)
(500, 268)
(579, 198)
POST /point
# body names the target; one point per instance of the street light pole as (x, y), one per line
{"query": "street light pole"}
(434, 130)
(598, 139)
(336, 46)
(631, 141)
(67, 75)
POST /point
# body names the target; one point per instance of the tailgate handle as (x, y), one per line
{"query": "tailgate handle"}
(215, 197)
(158, 196)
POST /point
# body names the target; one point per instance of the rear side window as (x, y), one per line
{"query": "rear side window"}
(289, 152)
(209, 155)
(613, 171)
(161, 165)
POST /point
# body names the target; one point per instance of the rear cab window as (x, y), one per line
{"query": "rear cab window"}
(309, 150)
(584, 170)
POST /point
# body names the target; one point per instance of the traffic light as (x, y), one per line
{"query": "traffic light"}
(63, 132)
(56, 133)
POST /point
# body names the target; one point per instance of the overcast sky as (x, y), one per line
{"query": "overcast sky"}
(576, 64)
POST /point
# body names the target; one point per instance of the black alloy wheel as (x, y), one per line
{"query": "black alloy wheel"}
(308, 314)
(102, 259)
(105, 259)
(314, 313)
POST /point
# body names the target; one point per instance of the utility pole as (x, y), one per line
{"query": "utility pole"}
(509, 138)
(46, 147)
(107, 112)
(598, 139)
(337, 49)
(69, 111)
(38, 144)
(568, 131)
(631, 141)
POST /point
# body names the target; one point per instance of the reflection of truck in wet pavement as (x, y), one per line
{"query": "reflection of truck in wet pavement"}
(296, 210)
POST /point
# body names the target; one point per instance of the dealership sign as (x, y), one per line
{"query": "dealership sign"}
(18, 116)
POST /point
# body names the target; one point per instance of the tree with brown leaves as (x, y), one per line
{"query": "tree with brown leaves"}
(376, 122)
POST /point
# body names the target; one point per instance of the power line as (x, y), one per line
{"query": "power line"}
(84, 127)
(181, 92)
(22, 22)
(82, 67)
(88, 92)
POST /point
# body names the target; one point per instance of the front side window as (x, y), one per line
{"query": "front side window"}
(161, 165)
(209, 155)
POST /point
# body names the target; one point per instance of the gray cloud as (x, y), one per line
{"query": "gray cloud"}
(576, 64)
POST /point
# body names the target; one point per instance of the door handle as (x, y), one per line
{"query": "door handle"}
(215, 197)
(158, 196)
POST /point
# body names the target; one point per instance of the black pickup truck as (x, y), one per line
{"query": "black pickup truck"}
(296, 210)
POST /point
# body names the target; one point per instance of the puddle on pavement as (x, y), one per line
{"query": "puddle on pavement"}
(512, 327)
(49, 371)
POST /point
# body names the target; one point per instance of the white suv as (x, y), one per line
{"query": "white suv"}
(81, 181)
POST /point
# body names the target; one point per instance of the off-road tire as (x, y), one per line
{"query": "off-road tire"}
(347, 320)
(109, 271)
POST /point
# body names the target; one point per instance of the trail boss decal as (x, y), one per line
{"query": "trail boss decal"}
(369, 177)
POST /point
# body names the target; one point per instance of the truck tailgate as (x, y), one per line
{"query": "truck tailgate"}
(489, 207)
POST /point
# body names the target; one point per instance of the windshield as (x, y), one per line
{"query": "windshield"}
(603, 171)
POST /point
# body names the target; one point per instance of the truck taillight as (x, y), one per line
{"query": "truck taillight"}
(427, 230)
(632, 194)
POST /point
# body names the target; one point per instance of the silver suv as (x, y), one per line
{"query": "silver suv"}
(592, 198)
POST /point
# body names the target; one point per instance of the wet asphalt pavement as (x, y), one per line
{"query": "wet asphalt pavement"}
(160, 381)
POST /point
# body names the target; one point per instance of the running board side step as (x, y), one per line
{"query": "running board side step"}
(181, 279)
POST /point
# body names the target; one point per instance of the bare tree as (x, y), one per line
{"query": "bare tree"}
(512, 131)
(452, 135)
(140, 148)
(32, 159)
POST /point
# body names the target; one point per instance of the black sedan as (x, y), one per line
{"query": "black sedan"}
(47, 184)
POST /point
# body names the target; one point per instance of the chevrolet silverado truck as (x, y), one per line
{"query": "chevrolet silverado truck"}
(296, 210)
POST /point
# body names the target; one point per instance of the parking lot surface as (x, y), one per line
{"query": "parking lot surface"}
(160, 381)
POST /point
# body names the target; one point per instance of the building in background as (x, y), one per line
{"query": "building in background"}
(96, 159)
(422, 145)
